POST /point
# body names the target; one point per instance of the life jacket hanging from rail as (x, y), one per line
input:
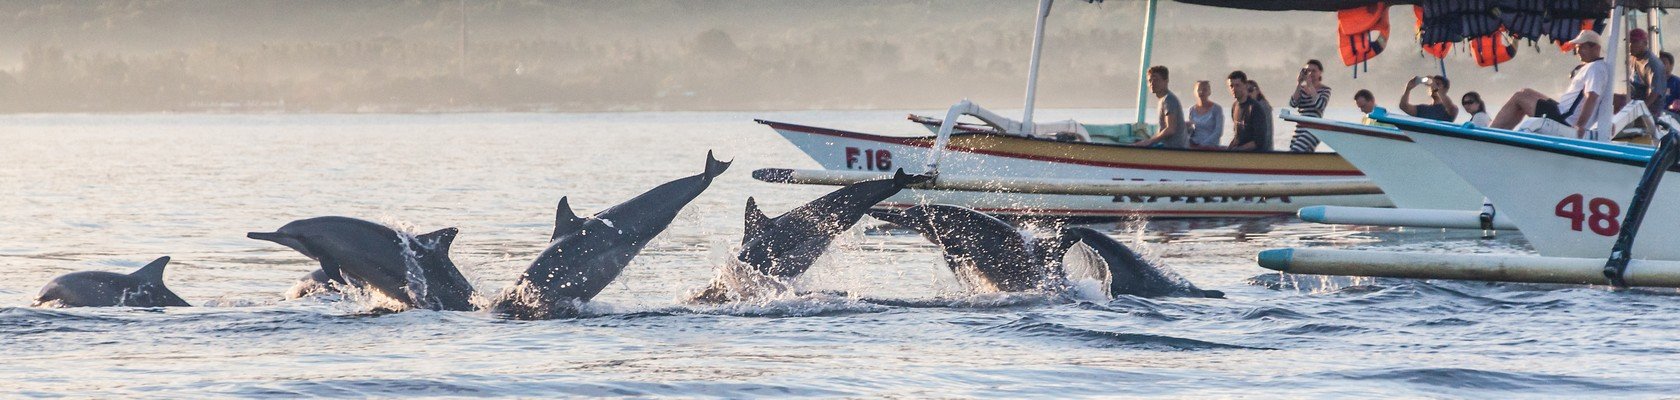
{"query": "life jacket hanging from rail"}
(1437, 50)
(1363, 33)
(1493, 49)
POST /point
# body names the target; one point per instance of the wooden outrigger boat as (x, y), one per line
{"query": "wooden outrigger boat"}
(1024, 151)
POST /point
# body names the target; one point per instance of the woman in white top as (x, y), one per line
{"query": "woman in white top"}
(1472, 104)
(1207, 120)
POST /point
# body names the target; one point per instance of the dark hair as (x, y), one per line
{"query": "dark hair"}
(1473, 97)
(1159, 70)
(1315, 63)
(1255, 85)
(1445, 84)
(1365, 94)
(1667, 58)
(1238, 75)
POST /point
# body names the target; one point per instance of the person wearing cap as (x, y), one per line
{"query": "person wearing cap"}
(1646, 79)
(1579, 103)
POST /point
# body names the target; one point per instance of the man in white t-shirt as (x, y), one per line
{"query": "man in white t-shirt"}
(1578, 105)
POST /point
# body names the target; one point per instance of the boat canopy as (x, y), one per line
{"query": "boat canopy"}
(1598, 7)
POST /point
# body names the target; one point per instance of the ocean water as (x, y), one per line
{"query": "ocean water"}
(112, 192)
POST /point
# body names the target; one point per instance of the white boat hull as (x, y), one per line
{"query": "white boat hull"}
(970, 155)
(1568, 199)
(1407, 173)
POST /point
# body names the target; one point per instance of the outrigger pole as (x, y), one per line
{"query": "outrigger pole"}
(1143, 65)
(1090, 187)
(1027, 126)
(1620, 254)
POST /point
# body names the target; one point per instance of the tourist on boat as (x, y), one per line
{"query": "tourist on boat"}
(1671, 102)
(1170, 117)
(1472, 102)
(1440, 106)
(1366, 102)
(1309, 100)
(1248, 119)
(1645, 73)
(1207, 119)
(1266, 111)
(1578, 104)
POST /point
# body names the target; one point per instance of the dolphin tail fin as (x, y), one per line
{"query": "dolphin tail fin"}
(437, 242)
(152, 272)
(565, 221)
(902, 179)
(756, 221)
(715, 167)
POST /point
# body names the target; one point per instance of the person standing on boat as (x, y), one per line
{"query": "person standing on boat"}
(1207, 119)
(1170, 117)
(1472, 102)
(1309, 100)
(1248, 120)
(1578, 105)
(1265, 111)
(1440, 107)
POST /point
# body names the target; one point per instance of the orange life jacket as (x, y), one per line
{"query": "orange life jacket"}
(1492, 50)
(1355, 25)
(1563, 43)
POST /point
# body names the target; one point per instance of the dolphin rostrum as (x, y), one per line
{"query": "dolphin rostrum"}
(586, 254)
(414, 270)
(143, 288)
(1006, 259)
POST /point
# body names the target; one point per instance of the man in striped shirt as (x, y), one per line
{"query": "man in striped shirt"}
(1310, 98)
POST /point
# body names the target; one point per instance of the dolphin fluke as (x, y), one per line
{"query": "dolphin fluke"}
(902, 179)
(715, 167)
(152, 272)
(565, 220)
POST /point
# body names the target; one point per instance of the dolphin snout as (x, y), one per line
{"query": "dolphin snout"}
(269, 236)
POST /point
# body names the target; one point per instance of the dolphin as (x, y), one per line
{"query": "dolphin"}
(787, 245)
(1004, 259)
(784, 247)
(413, 270)
(586, 254)
(143, 288)
(316, 282)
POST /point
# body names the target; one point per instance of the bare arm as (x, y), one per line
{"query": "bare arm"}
(1589, 104)
(1406, 99)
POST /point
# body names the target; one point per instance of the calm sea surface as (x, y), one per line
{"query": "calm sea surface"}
(111, 193)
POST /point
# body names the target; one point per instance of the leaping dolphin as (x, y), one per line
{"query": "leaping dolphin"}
(414, 270)
(1007, 260)
(785, 247)
(143, 288)
(586, 254)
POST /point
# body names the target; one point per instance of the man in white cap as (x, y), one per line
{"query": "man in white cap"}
(1578, 105)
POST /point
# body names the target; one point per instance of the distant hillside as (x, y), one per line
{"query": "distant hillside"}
(403, 56)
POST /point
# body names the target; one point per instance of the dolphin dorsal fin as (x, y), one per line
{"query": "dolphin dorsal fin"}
(565, 221)
(756, 221)
(152, 272)
(438, 242)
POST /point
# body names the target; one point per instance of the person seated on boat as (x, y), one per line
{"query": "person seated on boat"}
(1170, 118)
(1440, 106)
(1309, 100)
(1578, 105)
(1645, 74)
(1671, 101)
(1366, 102)
(1472, 103)
(1248, 120)
(1207, 119)
(1265, 109)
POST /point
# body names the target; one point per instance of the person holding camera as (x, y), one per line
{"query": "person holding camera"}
(1310, 98)
(1439, 108)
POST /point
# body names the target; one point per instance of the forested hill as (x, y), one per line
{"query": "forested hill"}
(408, 56)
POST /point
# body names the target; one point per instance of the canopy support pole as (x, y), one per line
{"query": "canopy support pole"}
(1606, 111)
(1032, 66)
(1143, 65)
(1667, 153)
